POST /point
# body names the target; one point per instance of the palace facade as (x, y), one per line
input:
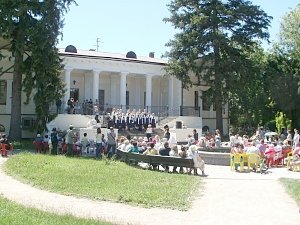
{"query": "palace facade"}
(125, 81)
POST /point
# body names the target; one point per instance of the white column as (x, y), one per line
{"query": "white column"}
(148, 91)
(123, 89)
(8, 96)
(137, 93)
(171, 94)
(113, 90)
(68, 84)
(96, 74)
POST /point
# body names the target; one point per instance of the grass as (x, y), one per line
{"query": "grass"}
(104, 180)
(14, 214)
(293, 188)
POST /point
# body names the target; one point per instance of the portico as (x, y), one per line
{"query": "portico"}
(118, 83)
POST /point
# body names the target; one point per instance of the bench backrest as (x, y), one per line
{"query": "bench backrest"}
(171, 161)
(156, 159)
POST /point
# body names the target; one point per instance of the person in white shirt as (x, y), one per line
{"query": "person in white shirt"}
(296, 139)
(85, 143)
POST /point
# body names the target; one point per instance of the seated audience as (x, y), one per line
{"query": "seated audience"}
(134, 148)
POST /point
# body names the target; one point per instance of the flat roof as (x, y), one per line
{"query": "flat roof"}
(111, 56)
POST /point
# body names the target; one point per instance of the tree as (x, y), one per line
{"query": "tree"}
(211, 42)
(32, 28)
(249, 102)
(289, 30)
(282, 79)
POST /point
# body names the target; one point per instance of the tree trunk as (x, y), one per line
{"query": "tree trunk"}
(219, 109)
(15, 121)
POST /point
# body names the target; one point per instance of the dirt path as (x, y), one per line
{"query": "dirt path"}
(228, 197)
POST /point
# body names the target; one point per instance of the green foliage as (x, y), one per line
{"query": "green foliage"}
(289, 30)
(14, 214)
(213, 38)
(271, 125)
(249, 101)
(282, 122)
(32, 28)
(282, 78)
(114, 181)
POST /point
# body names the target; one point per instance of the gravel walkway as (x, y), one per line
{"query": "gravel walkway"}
(228, 197)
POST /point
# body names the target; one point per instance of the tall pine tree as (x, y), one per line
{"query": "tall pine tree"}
(32, 28)
(211, 43)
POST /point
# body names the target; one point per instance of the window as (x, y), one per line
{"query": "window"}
(206, 102)
(28, 123)
(3, 91)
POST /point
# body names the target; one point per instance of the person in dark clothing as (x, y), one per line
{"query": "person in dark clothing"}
(196, 136)
(54, 141)
(165, 152)
(58, 106)
(97, 118)
(167, 133)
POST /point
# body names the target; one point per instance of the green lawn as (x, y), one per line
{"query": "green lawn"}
(14, 214)
(105, 180)
(293, 188)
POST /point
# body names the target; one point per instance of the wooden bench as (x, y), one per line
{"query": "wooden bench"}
(136, 158)
(155, 159)
(171, 161)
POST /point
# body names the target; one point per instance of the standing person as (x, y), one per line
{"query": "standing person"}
(58, 106)
(38, 143)
(196, 136)
(289, 137)
(167, 133)
(85, 143)
(296, 139)
(99, 143)
(149, 131)
(111, 143)
(97, 118)
(54, 141)
(70, 140)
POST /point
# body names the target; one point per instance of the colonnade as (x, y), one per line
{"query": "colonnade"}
(96, 73)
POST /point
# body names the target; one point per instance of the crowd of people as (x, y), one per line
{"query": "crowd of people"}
(272, 148)
(132, 119)
(165, 146)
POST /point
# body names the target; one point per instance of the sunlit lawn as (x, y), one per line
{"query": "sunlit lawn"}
(293, 188)
(105, 180)
(14, 214)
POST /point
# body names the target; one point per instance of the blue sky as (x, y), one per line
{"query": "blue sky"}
(136, 25)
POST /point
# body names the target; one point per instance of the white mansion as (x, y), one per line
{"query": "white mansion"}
(116, 81)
